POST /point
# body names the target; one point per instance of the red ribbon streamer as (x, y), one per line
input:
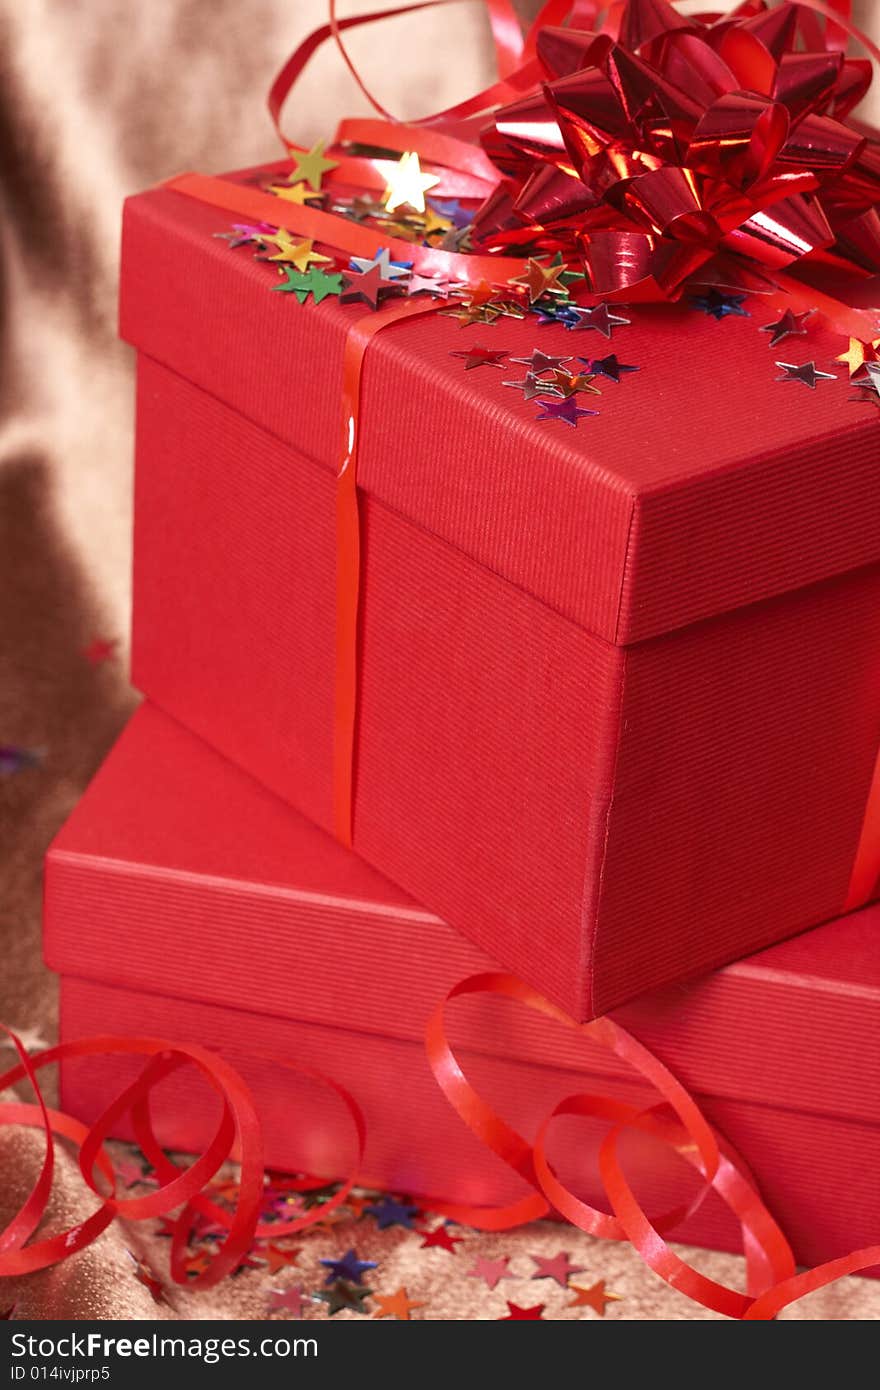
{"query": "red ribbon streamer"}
(772, 1281)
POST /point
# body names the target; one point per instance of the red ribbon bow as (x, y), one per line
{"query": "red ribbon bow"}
(686, 141)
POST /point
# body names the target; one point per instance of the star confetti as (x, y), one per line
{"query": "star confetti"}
(426, 284)
(472, 313)
(532, 386)
(287, 1300)
(808, 374)
(568, 411)
(389, 1212)
(440, 1238)
(367, 286)
(480, 357)
(491, 1271)
(859, 354)
(602, 319)
(540, 280)
(569, 315)
(292, 252)
(99, 649)
(608, 366)
(790, 325)
(144, 1274)
(406, 184)
(718, 305)
(594, 1297)
(868, 391)
(342, 1295)
(310, 166)
(570, 383)
(297, 193)
(389, 270)
(349, 1268)
(314, 282)
(277, 1257)
(538, 361)
(14, 759)
(557, 1267)
(197, 1264)
(517, 1314)
(395, 1305)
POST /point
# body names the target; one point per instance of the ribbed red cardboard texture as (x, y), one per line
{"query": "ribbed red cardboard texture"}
(183, 899)
(601, 812)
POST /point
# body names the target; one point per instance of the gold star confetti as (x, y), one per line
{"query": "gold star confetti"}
(310, 166)
(295, 253)
(297, 193)
(569, 383)
(858, 353)
(406, 184)
(540, 280)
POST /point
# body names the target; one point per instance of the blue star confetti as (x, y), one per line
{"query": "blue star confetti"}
(720, 306)
(389, 1212)
(349, 1268)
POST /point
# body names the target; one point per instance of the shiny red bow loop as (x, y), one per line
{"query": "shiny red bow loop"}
(686, 139)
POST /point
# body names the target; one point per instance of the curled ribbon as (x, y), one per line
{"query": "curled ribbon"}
(179, 1186)
(772, 1280)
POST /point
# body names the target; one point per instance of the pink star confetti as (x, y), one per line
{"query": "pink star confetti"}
(557, 1267)
(287, 1300)
(492, 1271)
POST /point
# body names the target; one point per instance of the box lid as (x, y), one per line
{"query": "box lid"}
(703, 484)
(178, 874)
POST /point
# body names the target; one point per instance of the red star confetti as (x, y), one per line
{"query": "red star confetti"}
(594, 1297)
(518, 1314)
(277, 1257)
(480, 357)
(557, 1267)
(144, 1274)
(395, 1305)
(568, 411)
(366, 286)
(790, 325)
(808, 374)
(287, 1300)
(99, 649)
(440, 1238)
(490, 1271)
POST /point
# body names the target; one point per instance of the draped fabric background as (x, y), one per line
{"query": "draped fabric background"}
(97, 100)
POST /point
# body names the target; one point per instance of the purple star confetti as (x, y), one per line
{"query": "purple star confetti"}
(349, 1268)
(718, 305)
(567, 411)
(609, 366)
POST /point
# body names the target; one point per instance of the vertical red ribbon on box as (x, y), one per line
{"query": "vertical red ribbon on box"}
(348, 552)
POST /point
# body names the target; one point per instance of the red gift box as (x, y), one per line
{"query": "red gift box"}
(618, 709)
(185, 901)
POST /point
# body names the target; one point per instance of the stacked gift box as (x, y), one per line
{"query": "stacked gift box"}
(616, 728)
